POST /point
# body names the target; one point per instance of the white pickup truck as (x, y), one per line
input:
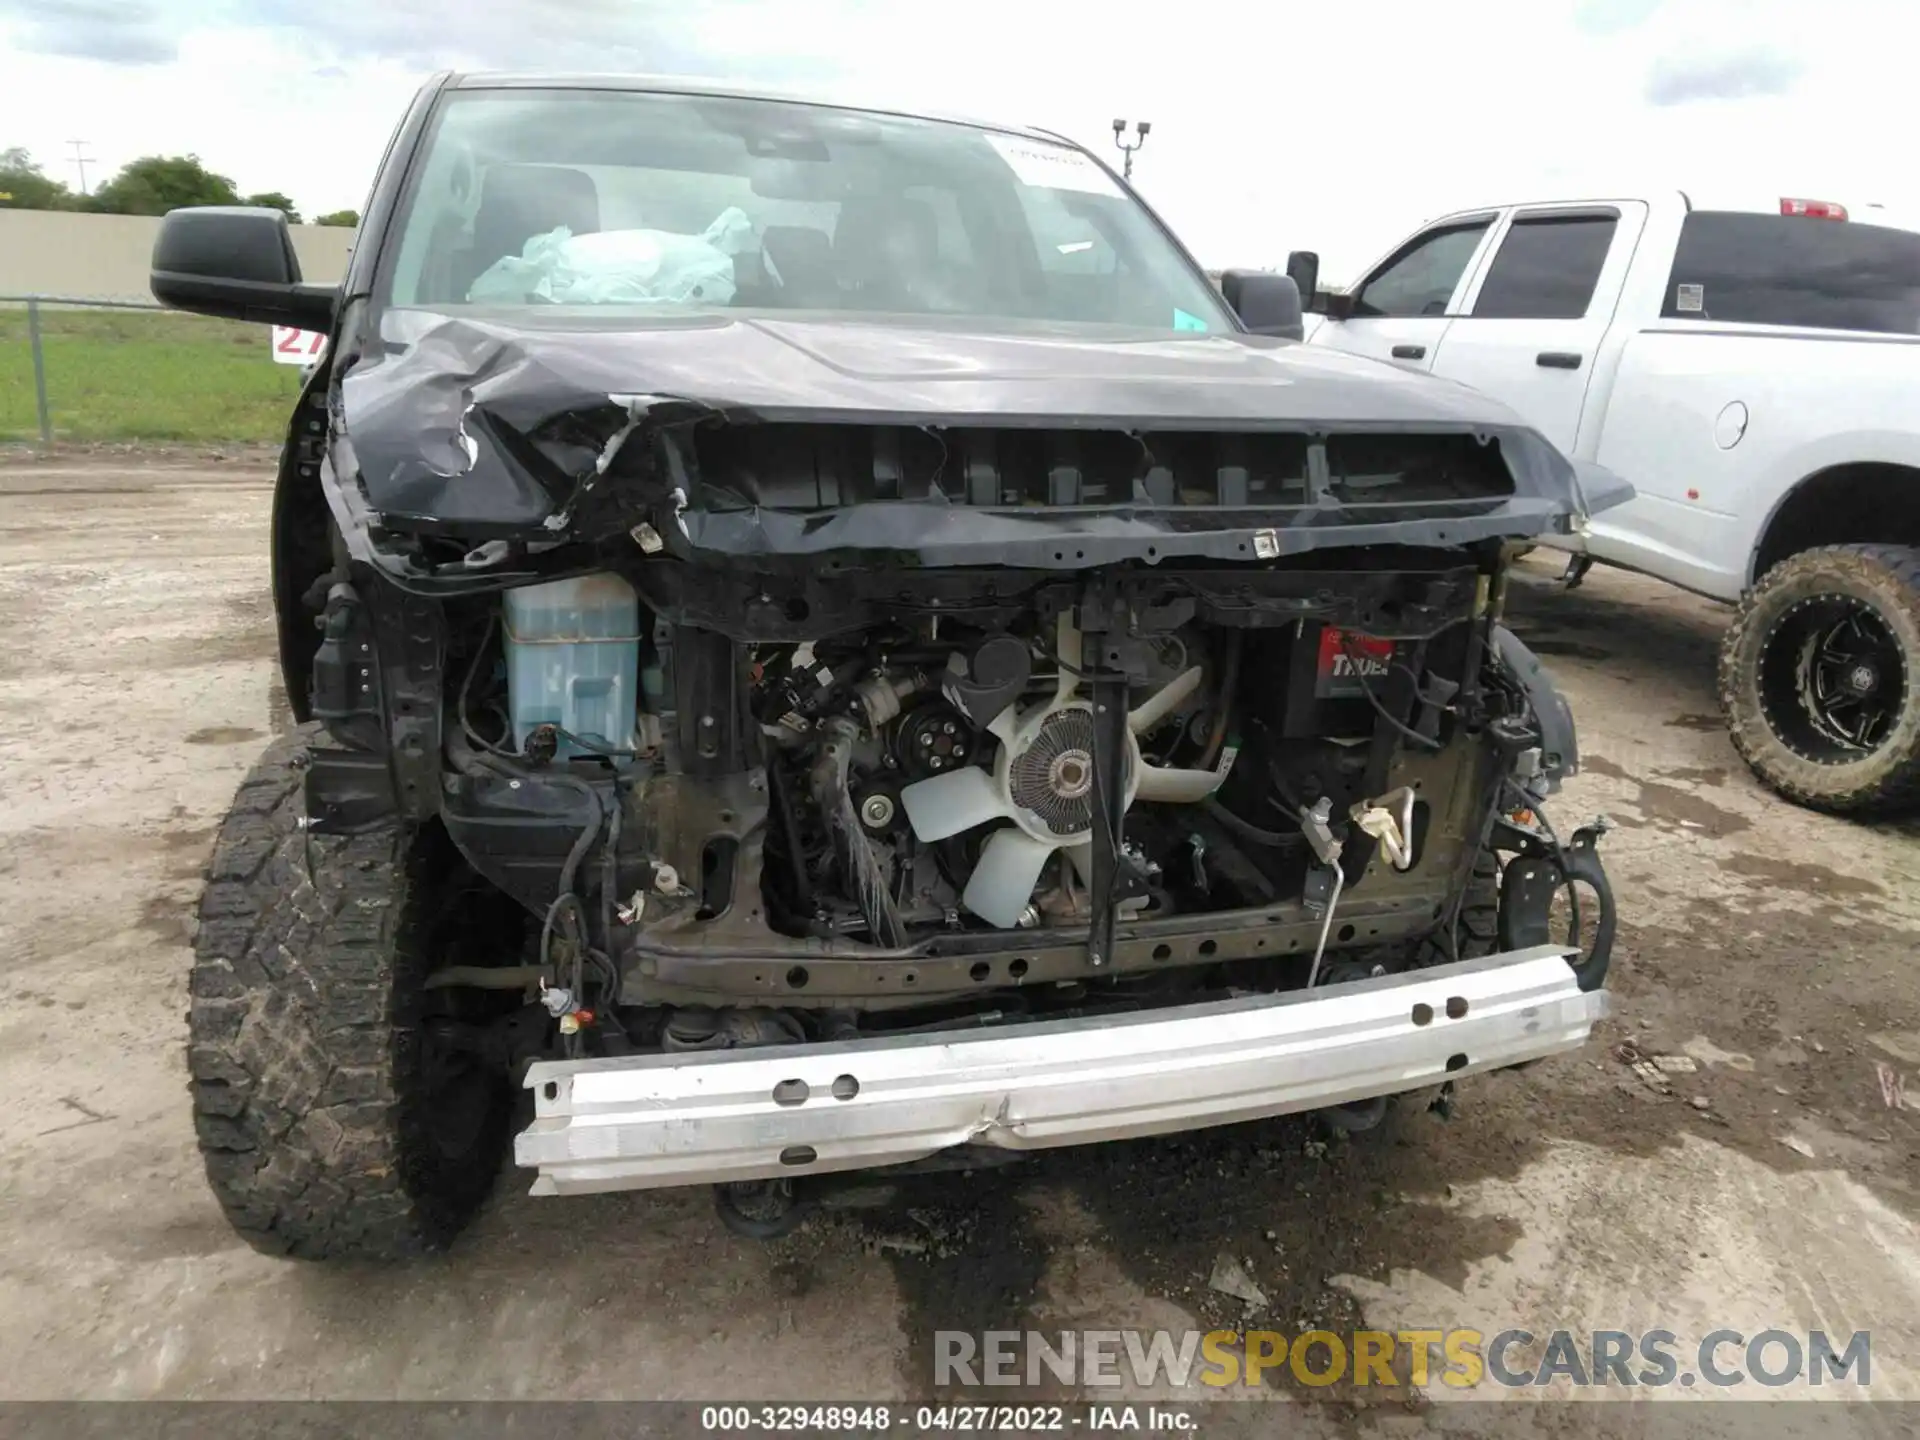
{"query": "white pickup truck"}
(1754, 371)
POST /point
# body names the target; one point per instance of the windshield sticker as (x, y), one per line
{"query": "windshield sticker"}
(1690, 299)
(1183, 321)
(1054, 167)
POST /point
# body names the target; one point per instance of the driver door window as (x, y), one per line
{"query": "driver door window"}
(1401, 312)
(1422, 278)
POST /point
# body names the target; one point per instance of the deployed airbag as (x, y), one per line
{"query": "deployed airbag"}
(620, 267)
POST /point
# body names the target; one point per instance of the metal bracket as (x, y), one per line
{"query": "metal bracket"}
(1529, 883)
(1113, 879)
(1323, 889)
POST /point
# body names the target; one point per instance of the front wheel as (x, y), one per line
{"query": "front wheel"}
(334, 1122)
(1820, 679)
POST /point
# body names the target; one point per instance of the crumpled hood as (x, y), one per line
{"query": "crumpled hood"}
(927, 371)
(506, 424)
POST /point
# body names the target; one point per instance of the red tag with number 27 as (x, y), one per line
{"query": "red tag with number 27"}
(297, 347)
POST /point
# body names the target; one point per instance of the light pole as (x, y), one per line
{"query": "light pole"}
(1119, 138)
(81, 159)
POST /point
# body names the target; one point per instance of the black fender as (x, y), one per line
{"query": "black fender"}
(1559, 744)
(301, 547)
(356, 653)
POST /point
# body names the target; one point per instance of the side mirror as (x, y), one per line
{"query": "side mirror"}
(236, 262)
(1303, 268)
(1267, 304)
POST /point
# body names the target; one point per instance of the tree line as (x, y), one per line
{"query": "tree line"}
(151, 185)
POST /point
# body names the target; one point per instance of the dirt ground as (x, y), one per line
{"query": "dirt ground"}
(1778, 1185)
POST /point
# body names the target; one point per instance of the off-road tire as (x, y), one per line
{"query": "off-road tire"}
(1883, 781)
(309, 1067)
(1479, 931)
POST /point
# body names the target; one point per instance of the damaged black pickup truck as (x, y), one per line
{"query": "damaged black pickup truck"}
(823, 644)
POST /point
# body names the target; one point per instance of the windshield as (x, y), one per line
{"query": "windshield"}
(688, 202)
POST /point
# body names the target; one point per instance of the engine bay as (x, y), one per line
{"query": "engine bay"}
(924, 785)
(950, 784)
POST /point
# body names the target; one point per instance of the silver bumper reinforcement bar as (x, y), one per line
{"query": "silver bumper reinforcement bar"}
(795, 1110)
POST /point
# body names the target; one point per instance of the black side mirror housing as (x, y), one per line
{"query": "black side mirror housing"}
(236, 262)
(1303, 268)
(1267, 304)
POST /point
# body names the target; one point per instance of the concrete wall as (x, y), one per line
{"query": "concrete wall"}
(105, 257)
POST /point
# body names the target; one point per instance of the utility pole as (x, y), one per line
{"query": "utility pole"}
(82, 160)
(1119, 138)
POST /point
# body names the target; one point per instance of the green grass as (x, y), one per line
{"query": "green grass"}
(144, 375)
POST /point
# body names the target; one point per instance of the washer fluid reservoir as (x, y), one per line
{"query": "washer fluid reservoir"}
(573, 660)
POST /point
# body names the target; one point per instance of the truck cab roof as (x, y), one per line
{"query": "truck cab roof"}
(1745, 201)
(731, 89)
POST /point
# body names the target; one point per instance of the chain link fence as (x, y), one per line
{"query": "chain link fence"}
(78, 370)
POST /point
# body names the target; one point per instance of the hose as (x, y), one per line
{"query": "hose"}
(568, 912)
(466, 688)
(1405, 730)
(834, 793)
(1490, 803)
(1245, 829)
(1229, 689)
(609, 882)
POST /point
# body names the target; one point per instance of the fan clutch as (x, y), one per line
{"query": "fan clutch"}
(1043, 783)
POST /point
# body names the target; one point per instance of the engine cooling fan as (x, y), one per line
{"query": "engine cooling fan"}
(1043, 782)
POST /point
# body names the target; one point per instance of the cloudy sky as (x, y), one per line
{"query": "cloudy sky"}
(1333, 126)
